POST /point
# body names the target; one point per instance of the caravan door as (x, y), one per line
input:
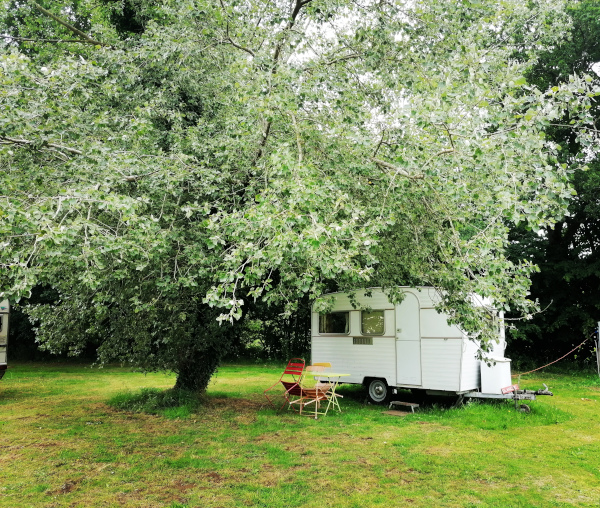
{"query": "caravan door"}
(408, 342)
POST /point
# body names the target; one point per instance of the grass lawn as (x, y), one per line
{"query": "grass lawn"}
(61, 444)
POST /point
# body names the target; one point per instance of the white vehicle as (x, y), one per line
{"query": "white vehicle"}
(4, 310)
(385, 346)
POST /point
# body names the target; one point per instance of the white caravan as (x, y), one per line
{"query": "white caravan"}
(4, 309)
(384, 346)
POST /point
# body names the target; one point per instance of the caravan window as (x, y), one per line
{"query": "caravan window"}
(334, 322)
(372, 322)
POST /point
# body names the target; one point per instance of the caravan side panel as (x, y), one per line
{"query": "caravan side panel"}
(359, 360)
(440, 362)
(470, 376)
(428, 297)
(377, 300)
(435, 325)
(354, 353)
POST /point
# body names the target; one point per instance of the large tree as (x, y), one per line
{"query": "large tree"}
(188, 157)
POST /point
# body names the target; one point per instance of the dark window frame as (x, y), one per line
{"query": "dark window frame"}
(347, 325)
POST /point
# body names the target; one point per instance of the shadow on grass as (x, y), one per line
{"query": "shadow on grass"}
(182, 403)
(168, 403)
(10, 396)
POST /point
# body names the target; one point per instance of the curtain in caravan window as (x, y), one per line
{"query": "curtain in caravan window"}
(334, 322)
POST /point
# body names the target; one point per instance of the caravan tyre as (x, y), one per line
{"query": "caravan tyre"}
(378, 391)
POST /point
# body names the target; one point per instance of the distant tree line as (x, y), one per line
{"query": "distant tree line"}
(567, 285)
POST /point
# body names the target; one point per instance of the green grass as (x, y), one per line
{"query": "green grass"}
(74, 436)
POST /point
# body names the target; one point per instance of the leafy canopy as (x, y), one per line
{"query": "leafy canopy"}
(204, 155)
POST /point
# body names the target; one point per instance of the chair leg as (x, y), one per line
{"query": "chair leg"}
(301, 404)
(292, 404)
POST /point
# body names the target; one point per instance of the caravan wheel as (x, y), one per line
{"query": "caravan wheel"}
(378, 391)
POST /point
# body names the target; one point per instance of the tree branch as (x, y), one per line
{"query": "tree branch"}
(27, 142)
(342, 59)
(231, 41)
(234, 44)
(582, 127)
(262, 143)
(379, 144)
(81, 34)
(51, 41)
(276, 55)
(134, 178)
(449, 135)
(297, 138)
(398, 170)
(443, 152)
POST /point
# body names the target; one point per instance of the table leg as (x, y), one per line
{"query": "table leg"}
(333, 396)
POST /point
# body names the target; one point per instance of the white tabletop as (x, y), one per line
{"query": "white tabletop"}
(326, 374)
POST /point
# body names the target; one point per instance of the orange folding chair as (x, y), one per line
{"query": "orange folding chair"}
(332, 395)
(292, 374)
(300, 397)
(293, 394)
(314, 396)
(316, 368)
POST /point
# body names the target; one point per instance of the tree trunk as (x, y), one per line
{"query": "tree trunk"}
(196, 369)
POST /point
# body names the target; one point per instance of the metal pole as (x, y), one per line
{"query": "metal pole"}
(4, 310)
(598, 349)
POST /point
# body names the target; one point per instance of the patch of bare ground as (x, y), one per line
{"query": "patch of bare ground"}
(66, 488)
(26, 446)
(47, 444)
(175, 491)
(441, 451)
(245, 409)
(403, 476)
(270, 479)
(162, 493)
(182, 486)
(270, 476)
(173, 494)
(214, 477)
(238, 404)
(266, 437)
(128, 498)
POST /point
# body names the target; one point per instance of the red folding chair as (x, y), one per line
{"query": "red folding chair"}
(292, 374)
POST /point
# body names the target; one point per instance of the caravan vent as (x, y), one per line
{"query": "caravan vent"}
(363, 340)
